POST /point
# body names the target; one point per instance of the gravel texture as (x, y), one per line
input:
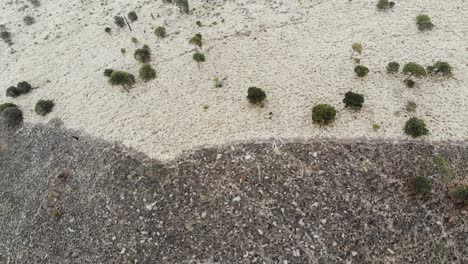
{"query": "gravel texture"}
(68, 198)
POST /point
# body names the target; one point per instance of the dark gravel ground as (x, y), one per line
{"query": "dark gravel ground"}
(67, 200)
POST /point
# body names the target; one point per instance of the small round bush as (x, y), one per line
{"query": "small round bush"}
(197, 40)
(6, 105)
(361, 71)
(160, 32)
(29, 20)
(411, 106)
(353, 100)
(199, 57)
(13, 116)
(119, 21)
(6, 36)
(416, 127)
(255, 95)
(460, 194)
(414, 69)
(410, 83)
(143, 55)
(393, 67)
(323, 114)
(108, 30)
(421, 185)
(23, 87)
(108, 72)
(199, 23)
(43, 107)
(147, 72)
(385, 4)
(424, 22)
(357, 47)
(132, 16)
(122, 78)
(12, 92)
(440, 67)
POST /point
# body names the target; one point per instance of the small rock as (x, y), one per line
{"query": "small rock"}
(236, 199)
(354, 253)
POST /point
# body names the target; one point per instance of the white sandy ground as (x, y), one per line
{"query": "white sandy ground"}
(297, 51)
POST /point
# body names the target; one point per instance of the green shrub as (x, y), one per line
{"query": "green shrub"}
(323, 114)
(353, 100)
(414, 69)
(160, 32)
(108, 30)
(134, 40)
(183, 6)
(424, 22)
(6, 36)
(416, 127)
(393, 67)
(132, 16)
(108, 72)
(199, 57)
(23, 87)
(29, 20)
(197, 40)
(361, 71)
(6, 105)
(123, 51)
(411, 106)
(12, 92)
(357, 47)
(375, 127)
(119, 21)
(410, 83)
(440, 67)
(255, 95)
(143, 55)
(421, 185)
(385, 4)
(199, 23)
(460, 194)
(43, 107)
(13, 116)
(147, 72)
(122, 78)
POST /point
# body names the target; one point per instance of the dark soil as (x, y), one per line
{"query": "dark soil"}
(67, 198)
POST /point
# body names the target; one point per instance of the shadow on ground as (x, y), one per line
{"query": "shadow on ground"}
(68, 198)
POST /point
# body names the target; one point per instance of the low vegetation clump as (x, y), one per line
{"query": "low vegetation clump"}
(143, 55)
(35, 3)
(29, 20)
(393, 67)
(6, 36)
(43, 107)
(147, 73)
(353, 100)
(443, 167)
(416, 127)
(108, 30)
(323, 114)
(460, 195)
(134, 40)
(385, 4)
(357, 47)
(21, 88)
(108, 72)
(183, 6)
(410, 83)
(12, 116)
(411, 106)
(440, 67)
(256, 95)
(132, 16)
(197, 40)
(413, 69)
(119, 21)
(199, 57)
(160, 32)
(424, 22)
(123, 51)
(421, 185)
(199, 23)
(6, 105)
(361, 71)
(125, 79)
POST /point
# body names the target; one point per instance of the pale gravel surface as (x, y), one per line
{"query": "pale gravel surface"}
(275, 203)
(297, 52)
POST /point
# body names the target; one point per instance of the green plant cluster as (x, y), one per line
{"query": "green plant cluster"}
(424, 22)
(353, 100)
(19, 89)
(323, 114)
(256, 95)
(416, 127)
(143, 55)
(147, 73)
(421, 185)
(43, 107)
